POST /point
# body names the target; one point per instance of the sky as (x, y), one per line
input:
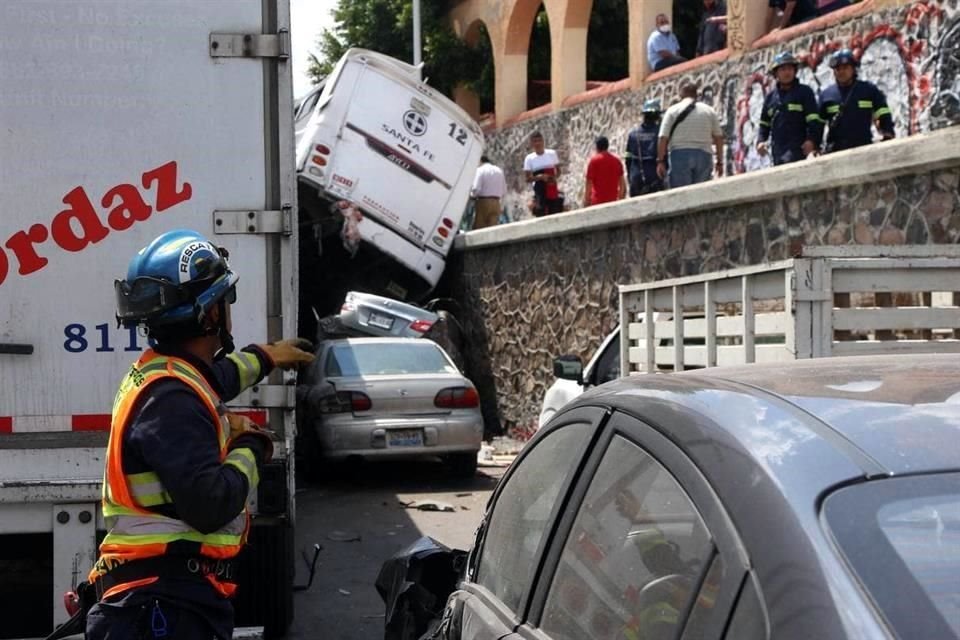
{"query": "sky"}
(307, 19)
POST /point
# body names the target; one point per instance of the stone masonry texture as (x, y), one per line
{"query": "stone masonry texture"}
(525, 303)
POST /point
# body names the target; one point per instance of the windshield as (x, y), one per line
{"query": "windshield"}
(902, 538)
(379, 358)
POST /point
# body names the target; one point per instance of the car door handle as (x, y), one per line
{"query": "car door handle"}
(15, 349)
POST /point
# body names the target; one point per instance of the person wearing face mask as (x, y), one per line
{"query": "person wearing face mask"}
(642, 152)
(663, 48)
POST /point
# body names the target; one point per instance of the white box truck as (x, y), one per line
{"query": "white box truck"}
(405, 156)
(120, 120)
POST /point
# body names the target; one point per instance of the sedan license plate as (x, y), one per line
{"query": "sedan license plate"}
(405, 438)
(382, 321)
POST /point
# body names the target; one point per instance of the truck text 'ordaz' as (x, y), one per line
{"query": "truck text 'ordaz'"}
(128, 207)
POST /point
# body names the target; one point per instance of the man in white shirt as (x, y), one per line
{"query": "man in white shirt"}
(489, 187)
(687, 131)
(541, 168)
(663, 48)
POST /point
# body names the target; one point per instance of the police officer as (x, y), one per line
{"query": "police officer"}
(179, 467)
(641, 157)
(852, 106)
(790, 119)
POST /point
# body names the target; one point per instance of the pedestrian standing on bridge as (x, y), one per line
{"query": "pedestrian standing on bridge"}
(687, 132)
(642, 152)
(790, 119)
(179, 467)
(852, 107)
(605, 178)
(489, 187)
(541, 168)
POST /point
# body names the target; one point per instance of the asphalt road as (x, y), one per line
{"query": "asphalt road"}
(358, 519)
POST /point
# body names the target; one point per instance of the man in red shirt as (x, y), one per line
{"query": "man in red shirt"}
(605, 176)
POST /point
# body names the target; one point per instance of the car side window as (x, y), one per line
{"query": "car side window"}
(522, 511)
(635, 557)
(608, 366)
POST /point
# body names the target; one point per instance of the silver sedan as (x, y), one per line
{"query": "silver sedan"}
(387, 398)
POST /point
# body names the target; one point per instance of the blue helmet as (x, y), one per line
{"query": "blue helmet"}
(651, 106)
(784, 58)
(843, 56)
(175, 279)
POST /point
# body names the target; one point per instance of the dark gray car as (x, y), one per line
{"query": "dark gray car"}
(816, 499)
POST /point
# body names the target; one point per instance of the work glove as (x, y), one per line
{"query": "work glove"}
(289, 354)
(243, 427)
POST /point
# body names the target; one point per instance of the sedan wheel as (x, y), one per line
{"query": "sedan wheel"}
(463, 465)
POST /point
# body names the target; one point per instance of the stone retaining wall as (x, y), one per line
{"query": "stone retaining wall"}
(536, 289)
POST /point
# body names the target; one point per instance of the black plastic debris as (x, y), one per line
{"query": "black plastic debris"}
(415, 584)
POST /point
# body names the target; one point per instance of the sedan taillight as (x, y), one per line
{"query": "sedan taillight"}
(421, 326)
(346, 401)
(457, 398)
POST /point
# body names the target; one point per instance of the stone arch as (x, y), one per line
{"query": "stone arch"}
(477, 35)
(608, 41)
(512, 70)
(569, 70)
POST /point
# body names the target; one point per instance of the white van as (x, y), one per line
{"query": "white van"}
(404, 154)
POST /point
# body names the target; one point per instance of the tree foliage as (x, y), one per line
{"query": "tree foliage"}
(387, 26)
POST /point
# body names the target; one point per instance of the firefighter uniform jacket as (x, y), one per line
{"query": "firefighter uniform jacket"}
(790, 118)
(642, 158)
(176, 486)
(850, 113)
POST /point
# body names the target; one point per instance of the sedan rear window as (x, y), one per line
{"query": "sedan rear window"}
(379, 358)
(902, 538)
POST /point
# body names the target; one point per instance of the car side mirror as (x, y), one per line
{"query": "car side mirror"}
(568, 368)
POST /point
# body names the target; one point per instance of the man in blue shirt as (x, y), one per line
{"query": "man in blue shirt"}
(663, 48)
(852, 106)
(789, 118)
(642, 152)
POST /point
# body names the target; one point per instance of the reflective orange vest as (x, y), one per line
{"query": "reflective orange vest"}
(135, 531)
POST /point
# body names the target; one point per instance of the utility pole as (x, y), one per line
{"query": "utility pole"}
(416, 32)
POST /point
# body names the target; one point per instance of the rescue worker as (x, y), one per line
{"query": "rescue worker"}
(641, 157)
(179, 467)
(852, 106)
(790, 119)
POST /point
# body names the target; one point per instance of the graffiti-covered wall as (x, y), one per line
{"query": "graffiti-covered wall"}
(911, 52)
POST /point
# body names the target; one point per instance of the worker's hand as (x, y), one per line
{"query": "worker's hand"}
(719, 167)
(242, 425)
(808, 147)
(662, 170)
(290, 354)
(762, 148)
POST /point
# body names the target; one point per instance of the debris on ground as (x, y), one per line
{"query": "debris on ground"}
(428, 505)
(463, 495)
(344, 536)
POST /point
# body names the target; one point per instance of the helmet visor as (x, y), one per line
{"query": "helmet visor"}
(146, 297)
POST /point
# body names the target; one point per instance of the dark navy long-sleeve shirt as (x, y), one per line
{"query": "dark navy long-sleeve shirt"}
(790, 117)
(850, 113)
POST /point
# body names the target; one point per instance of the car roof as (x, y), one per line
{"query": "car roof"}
(383, 340)
(886, 414)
